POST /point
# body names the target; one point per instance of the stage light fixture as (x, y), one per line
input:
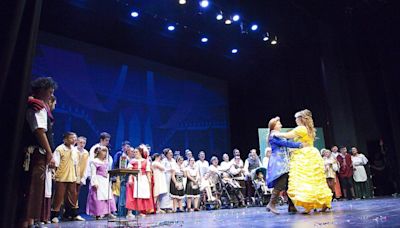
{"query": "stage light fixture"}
(234, 51)
(274, 41)
(219, 16)
(182, 2)
(134, 14)
(171, 28)
(236, 17)
(243, 28)
(204, 39)
(228, 22)
(204, 3)
(266, 37)
(254, 27)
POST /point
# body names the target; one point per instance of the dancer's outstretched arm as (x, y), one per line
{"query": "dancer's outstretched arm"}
(288, 135)
(285, 143)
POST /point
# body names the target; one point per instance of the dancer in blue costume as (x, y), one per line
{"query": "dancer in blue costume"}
(278, 165)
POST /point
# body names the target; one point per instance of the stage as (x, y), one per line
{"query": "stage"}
(378, 212)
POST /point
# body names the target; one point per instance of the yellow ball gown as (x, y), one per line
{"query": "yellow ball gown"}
(307, 180)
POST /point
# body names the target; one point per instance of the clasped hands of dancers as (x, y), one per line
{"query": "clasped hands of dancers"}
(300, 172)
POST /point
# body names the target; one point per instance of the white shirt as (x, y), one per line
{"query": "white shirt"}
(265, 162)
(241, 163)
(203, 167)
(168, 165)
(335, 154)
(186, 163)
(214, 169)
(236, 168)
(192, 171)
(225, 166)
(359, 174)
(37, 120)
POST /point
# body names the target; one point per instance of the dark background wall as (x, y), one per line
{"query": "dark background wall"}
(336, 58)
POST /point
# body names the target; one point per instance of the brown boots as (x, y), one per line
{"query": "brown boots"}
(272, 202)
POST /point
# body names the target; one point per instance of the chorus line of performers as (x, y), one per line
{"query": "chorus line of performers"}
(69, 166)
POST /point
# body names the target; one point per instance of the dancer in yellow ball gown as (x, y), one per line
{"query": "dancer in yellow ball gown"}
(307, 183)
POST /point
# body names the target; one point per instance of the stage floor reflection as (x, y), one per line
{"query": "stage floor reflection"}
(378, 212)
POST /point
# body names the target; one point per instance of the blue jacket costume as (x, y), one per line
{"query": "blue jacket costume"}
(279, 161)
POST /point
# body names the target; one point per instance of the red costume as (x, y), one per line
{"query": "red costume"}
(140, 199)
(346, 166)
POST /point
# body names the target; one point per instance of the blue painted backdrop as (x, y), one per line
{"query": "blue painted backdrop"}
(132, 98)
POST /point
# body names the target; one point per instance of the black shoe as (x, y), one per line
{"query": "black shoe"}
(292, 209)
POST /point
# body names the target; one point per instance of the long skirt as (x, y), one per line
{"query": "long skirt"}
(192, 190)
(165, 199)
(97, 207)
(175, 192)
(307, 180)
(138, 204)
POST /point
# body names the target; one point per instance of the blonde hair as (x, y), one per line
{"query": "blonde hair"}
(306, 119)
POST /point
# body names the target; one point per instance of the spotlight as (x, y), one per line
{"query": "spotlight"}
(234, 51)
(228, 22)
(134, 14)
(274, 41)
(219, 16)
(254, 27)
(266, 37)
(182, 2)
(204, 3)
(204, 39)
(171, 28)
(236, 17)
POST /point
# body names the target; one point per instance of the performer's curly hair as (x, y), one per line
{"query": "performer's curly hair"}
(306, 119)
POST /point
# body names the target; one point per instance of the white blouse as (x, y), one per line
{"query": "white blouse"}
(359, 175)
(192, 171)
(225, 166)
(203, 167)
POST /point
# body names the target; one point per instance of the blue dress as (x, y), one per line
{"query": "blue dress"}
(279, 161)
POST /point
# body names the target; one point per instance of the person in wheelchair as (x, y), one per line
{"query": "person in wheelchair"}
(260, 183)
(210, 179)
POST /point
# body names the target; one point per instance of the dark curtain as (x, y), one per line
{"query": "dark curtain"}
(19, 28)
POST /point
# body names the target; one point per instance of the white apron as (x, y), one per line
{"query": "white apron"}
(141, 187)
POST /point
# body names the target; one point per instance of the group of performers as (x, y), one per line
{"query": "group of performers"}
(304, 179)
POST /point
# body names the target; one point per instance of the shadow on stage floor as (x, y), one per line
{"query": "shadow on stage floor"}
(378, 212)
